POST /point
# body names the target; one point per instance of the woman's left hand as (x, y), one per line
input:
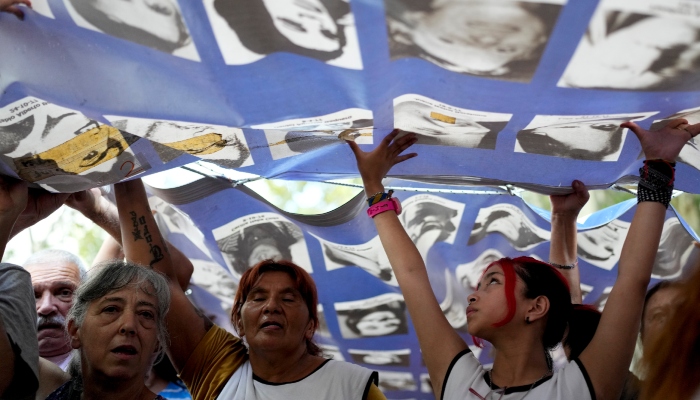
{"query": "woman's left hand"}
(374, 166)
(667, 142)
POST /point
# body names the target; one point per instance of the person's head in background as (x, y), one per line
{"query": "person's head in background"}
(154, 23)
(672, 372)
(56, 275)
(660, 304)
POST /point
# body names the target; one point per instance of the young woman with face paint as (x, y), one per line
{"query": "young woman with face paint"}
(522, 305)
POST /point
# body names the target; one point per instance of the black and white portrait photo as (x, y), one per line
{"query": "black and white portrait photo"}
(510, 222)
(217, 144)
(215, 279)
(157, 24)
(468, 274)
(62, 149)
(322, 329)
(437, 123)
(383, 315)
(429, 219)
(495, 39)
(454, 306)
(391, 381)
(249, 30)
(581, 137)
(690, 153)
(248, 240)
(602, 246)
(426, 386)
(369, 256)
(660, 41)
(394, 358)
(675, 250)
(298, 136)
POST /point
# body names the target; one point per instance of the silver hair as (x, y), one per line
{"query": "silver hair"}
(113, 275)
(57, 256)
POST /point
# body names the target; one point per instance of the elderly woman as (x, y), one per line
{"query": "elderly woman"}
(116, 325)
(274, 311)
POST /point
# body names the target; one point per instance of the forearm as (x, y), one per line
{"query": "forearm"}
(141, 238)
(106, 216)
(563, 250)
(642, 242)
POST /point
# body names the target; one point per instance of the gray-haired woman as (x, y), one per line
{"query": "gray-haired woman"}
(116, 325)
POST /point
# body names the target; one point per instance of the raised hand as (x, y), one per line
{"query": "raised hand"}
(667, 142)
(12, 7)
(40, 204)
(13, 198)
(88, 202)
(572, 203)
(374, 166)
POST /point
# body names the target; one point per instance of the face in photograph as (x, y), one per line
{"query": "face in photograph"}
(392, 358)
(383, 320)
(154, 23)
(659, 53)
(426, 217)
(510, 225)
(602, 246)
(474, 37)
(255, 243)
(469, 274)
(435, 126)
(582, 140)
(675, 246)
(389, 381)
(375, 262)
(311, 28)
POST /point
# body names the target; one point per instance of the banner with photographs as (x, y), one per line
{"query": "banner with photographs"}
(529, 92)
(362, 313)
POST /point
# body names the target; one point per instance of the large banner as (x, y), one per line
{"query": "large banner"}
(528, 92)
(363, 313)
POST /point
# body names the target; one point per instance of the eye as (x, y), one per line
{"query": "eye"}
(65, 292)
(110, 309)
(493, 280)
(147, 315)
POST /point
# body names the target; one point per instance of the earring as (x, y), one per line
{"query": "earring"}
(527, 320)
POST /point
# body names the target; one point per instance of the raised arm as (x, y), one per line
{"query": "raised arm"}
(439, 342)
(12, 7)
(607, 357)
(562, 248)
(104, 214)
(143, 244)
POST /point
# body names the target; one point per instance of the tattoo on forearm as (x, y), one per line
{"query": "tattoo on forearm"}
(140, 227)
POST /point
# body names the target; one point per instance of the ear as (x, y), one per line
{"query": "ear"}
(538, 308)
(73, 334)
(310, 329)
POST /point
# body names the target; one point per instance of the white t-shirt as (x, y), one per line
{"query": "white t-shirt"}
(466, 378)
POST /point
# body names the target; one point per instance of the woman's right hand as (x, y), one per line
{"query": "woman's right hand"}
(374, 166)
(667, 142)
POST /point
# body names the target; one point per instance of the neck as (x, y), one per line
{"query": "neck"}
(280, 367)
(105, 388)
(59, 359)
(519, 361)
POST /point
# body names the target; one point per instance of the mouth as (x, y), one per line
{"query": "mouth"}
(270, 325)
(470, 311)
(125, 351)
(49, 326)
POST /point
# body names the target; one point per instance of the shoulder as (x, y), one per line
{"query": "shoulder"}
(573, 379)
(464, 372)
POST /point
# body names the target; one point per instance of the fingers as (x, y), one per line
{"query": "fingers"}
(16, 11)
(403, 143)
(693, 130)
(404, 157)
(638, 130)
(675, 123)
(355, 148)
(388, 138)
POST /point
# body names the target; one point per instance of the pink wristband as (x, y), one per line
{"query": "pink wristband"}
(385, 205)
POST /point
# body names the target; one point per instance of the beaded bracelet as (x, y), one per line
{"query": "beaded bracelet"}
(565, 266)
(656, 179)
(377, 197)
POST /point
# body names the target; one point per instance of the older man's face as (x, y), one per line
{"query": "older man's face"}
(54, 284)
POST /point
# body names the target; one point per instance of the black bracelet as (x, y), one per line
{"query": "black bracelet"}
(568, 266)
(656, 179)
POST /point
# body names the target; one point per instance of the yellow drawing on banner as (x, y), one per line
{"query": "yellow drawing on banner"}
(200, 145)
(442, 117)
(87, 150)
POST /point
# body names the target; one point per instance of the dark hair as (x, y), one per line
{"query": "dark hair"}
(652, 291)
(256, 30)
(583, 323)
(124, 31)
(303, 283)
(395, 307)
(534, 143)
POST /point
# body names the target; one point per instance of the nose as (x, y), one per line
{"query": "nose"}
(471, 298)
(46, 304)
(127, 323)
(272, 305)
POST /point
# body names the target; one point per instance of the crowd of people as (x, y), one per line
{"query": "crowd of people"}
(125, 328)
